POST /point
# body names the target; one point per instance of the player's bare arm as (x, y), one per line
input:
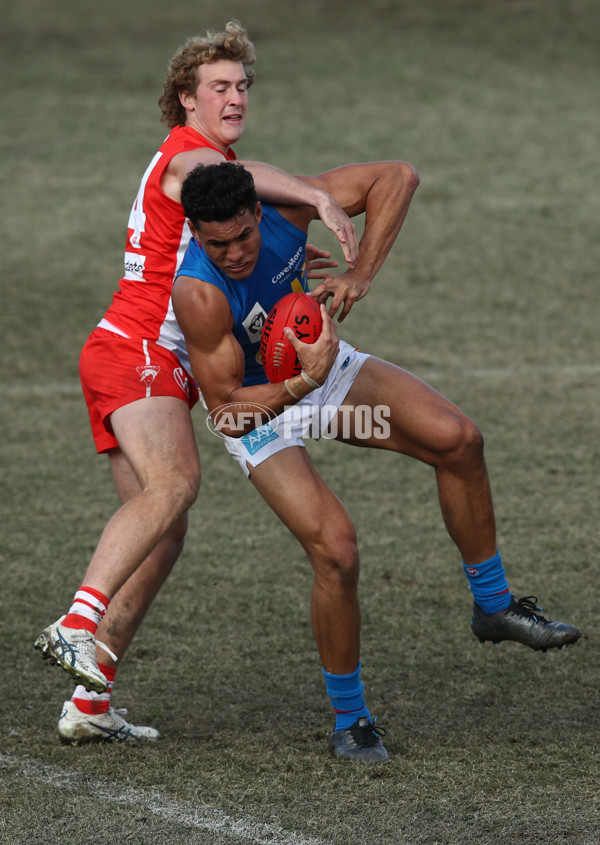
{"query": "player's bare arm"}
(279, 188)
(217, 359)
(274, 186)
(383, 191)
(181, 164)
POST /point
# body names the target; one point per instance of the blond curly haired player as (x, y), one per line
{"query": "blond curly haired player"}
(138, 392)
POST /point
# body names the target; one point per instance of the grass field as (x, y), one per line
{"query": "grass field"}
(491, 294)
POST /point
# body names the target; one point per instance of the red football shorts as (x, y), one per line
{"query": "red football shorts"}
(116, 370)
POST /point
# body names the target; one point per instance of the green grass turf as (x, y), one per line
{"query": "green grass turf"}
(491, 294)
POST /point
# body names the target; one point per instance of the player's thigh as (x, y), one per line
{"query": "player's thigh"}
(390, 408)
(156, 437)
(291, 486)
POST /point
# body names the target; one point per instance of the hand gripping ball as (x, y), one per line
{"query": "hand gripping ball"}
(301, 312)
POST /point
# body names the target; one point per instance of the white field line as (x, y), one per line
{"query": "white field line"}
(180, 812)
(19, 389)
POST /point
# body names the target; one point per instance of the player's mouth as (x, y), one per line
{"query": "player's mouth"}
(236, 269)
(233, 118)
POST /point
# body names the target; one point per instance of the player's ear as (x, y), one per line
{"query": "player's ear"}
(193, 230)
(258, 211)
(187, 100)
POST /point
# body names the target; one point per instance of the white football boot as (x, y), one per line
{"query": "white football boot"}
(76, 728)
(75, 650)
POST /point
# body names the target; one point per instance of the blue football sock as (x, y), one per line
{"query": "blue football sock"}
(488, 584)
(347, 699)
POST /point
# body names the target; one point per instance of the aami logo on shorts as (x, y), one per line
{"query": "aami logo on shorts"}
(233, 417)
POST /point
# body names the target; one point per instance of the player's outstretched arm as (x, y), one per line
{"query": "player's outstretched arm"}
(279, 188)
(383, 191)
(274, 186)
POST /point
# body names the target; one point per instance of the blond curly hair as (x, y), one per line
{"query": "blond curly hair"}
(232, 44)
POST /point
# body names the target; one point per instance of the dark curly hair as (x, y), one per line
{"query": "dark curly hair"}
(217, 192)
(233, 44)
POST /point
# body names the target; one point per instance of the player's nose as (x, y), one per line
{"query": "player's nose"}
(235, 253)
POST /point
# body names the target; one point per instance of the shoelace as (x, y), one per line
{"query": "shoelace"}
(108, 651)
(79, 635)
(82, 636)
(367, 734)
(530, 606)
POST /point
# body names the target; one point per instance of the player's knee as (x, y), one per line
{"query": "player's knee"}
(177, 535)
(189, 489)
(466, 441)
(183, 488)
(338, 559)
(472, 440)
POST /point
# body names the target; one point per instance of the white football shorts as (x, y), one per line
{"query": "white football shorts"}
(310, 418)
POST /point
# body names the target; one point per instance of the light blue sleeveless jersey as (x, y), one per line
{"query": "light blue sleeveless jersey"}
(280, 269)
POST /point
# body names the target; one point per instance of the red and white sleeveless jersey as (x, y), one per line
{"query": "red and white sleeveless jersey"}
(157, 237)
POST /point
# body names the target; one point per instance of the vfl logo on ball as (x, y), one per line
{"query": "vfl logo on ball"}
(228, 419)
